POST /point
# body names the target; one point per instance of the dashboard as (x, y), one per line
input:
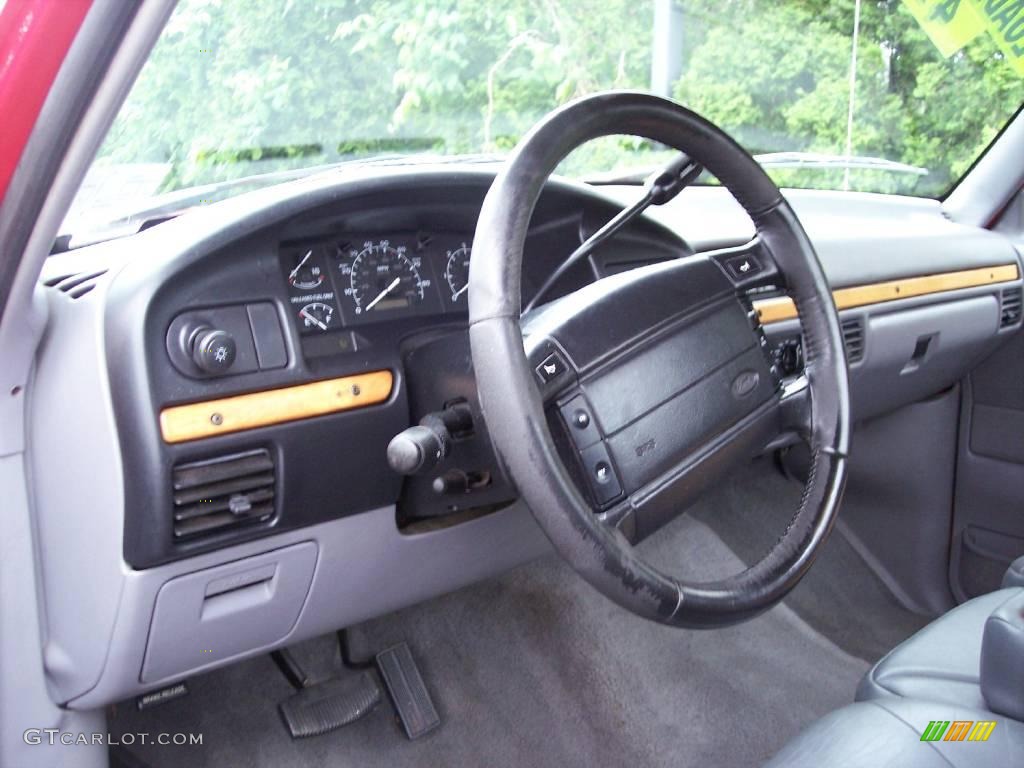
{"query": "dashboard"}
(246, 365)
(282, 360)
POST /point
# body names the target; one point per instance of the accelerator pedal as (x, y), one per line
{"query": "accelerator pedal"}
(408, 692)
(322, 707)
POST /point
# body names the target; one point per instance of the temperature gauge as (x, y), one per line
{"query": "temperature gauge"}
(306, 274)
(316, 317)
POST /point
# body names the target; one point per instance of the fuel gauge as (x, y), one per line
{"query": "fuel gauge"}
(316, 317)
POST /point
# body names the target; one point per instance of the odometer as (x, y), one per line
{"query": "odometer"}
(383, 279)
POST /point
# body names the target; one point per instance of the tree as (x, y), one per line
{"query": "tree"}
(240, 86)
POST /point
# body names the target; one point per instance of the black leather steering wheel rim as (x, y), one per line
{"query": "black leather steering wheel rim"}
(514, 411)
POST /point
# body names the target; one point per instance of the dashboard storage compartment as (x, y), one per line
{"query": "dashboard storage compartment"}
(216, 614)
(915, 353)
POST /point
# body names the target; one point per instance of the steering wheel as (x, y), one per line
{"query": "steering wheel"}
(613, 408)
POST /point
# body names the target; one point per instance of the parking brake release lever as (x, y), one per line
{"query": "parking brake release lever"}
(419, 449)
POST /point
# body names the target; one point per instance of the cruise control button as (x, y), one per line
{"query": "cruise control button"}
(603, 481)
(742, 267)
(551, 368)
(582, 427)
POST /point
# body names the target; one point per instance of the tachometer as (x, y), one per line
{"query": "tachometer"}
(384, 278)
(456, 272)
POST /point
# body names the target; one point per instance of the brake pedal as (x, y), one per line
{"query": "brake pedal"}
(408, 692)
(322, 707)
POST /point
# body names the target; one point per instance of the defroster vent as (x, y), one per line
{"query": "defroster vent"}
(223, 493)
(75, 285)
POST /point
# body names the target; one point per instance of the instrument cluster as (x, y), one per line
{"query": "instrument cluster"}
(361, 279)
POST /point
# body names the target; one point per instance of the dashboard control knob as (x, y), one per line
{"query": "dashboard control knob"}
(454, 483)
(213, 351)
(419, 449)
(416, 450)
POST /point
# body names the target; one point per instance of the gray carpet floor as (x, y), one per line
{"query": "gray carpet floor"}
(536, 669)
(840, 596)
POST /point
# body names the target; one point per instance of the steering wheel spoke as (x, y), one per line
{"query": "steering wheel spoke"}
(795, 407)
(748, 266)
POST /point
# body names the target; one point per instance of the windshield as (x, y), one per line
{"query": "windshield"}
(887, 96)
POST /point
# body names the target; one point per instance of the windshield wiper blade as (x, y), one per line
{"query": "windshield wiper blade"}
(811, 160)
(842, 162)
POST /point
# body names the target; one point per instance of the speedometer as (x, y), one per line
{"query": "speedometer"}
(383, 278)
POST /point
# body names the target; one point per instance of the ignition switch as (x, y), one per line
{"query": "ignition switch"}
(790, 357)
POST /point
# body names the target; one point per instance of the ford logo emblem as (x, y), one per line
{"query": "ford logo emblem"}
(745, 383)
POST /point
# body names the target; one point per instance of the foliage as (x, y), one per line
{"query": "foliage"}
(236, 87)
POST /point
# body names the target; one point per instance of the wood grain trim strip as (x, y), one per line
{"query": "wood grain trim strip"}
(781, 308)
(274, 406)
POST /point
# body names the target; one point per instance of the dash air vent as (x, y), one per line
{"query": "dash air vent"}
(223, 493)
(1010, 307)
(75, 285)
(853, 339)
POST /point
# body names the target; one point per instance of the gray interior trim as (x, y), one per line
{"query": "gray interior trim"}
(859, 237)
(941, 662)
(220, 612)
(72, 123)
(962, 326)
(366, 568)
(25, 701)
(1002, 658)
(994, 180)
(987, 532)
(78, 491)
(99, 612)
(1014, 576)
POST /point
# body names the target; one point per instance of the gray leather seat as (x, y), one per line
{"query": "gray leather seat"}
(887, 732)
(967, 665)
(942, 662)
(1014, 574)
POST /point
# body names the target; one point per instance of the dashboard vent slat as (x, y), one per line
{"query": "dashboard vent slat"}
(1010, 303)
(187, 512)
(853, 339)
(75, 285)
(216, 470)
(223, 493)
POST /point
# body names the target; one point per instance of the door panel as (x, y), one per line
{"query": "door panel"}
(988, 520)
